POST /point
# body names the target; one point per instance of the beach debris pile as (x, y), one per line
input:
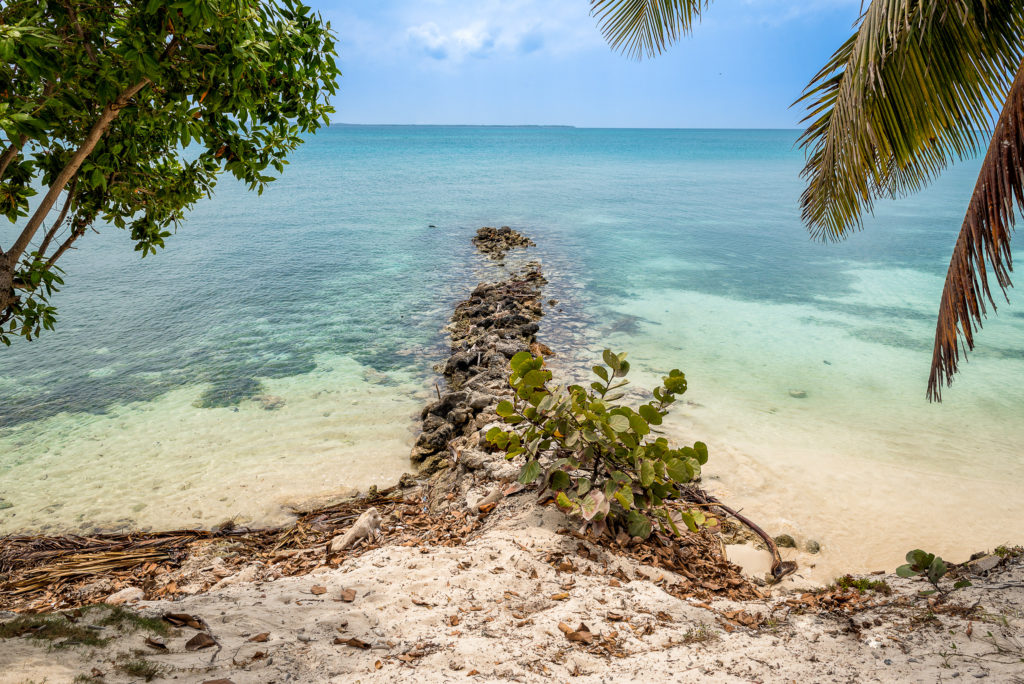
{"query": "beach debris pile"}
(496, 242)
(48, 573)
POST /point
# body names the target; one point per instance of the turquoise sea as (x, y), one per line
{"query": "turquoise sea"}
(280, 346)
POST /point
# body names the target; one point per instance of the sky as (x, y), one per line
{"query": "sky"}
(544, 62)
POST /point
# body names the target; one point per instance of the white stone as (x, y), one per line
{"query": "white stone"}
(126, 595)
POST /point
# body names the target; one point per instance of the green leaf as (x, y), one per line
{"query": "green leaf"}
(624, 496)
(680, 471)
(646, 472)
(530, 472)
(600, 372)
(583, 486)
(560, 480)
(960, 584)
(618, 422)
(689, 520)
(638, 425)
(505, 409)
(519, 359)
(702, 452)
(650, 414)
(936, 570)
(563, 502)
(907, 571)
(638, 524)
(610, 359)
(536, 378)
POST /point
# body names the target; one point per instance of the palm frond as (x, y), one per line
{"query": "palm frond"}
(907, 94)
(985, 234)
(640, 28)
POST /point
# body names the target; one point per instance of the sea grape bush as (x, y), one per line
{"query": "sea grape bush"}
(605, 464)
(931, 567)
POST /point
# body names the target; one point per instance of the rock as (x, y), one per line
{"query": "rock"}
(269, 402)
(126, 595)
(460, 415)
(479, 401)
(784, 541)
(438, 439)
(432, 422)
(366, 525)
(798, 393)
(495, 242)
(984, 564)
(244, 576)
(541, 349)
(494, 496)
(812, 546)
(448, 401)
(509, 349)
(421, 454)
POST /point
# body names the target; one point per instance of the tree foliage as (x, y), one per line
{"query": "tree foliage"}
(603, 462)
(913, 89)
(125, 113)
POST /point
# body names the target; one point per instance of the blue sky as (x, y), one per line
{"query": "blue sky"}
(544, 62)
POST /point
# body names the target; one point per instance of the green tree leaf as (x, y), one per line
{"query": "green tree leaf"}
(529, 472)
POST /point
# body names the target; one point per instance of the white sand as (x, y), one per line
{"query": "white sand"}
(506, 626)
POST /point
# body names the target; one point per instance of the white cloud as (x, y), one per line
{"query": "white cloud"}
(469, 41)
(456, 31)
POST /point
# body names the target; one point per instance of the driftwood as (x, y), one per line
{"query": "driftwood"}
(780, 568)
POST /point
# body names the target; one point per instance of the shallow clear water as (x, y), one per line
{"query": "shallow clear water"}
(325, 296)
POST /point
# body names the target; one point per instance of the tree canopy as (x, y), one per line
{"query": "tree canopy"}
(124, 113)
(917, 86)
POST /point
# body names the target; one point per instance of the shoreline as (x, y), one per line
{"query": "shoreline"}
(366, 587)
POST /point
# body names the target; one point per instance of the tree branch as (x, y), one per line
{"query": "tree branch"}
(10, 154)
(75, 234)
(97, 131)
(60, 219)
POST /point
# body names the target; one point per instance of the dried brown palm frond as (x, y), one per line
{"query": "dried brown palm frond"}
(642, 28)
(985, 234)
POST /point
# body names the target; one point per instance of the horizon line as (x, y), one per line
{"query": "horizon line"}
(631, 128)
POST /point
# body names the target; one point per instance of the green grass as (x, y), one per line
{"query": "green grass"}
(55, 628)
(699, 635)
(137, 667)
(73, 628)
(126, 620)
(862, 585)
(1004, 551)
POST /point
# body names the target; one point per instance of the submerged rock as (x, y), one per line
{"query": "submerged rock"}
(785, 541)
(495, 242)
(798, 393)
(812, 546)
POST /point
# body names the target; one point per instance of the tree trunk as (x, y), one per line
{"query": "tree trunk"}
(109, 113)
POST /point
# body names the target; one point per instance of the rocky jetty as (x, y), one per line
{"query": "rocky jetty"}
(495, 242)
(497, 321)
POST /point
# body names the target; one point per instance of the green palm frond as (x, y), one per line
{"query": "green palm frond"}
(985, 234)
(641, 28)
(907, 94)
